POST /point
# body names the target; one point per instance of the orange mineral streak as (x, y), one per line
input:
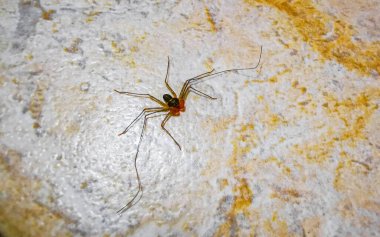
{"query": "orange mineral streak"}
(328, 35)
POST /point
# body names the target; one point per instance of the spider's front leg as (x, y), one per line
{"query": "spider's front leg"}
(148, 96)
(195, 91)
(167, 80)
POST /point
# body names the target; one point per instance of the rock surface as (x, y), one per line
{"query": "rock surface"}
(291, 148)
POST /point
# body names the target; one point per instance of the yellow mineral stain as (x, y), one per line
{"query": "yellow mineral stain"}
(338, 175)
(74, 47)
(280, 164)
(275, 226)
(2, 80)
(223, 183)
(208, 64)
(46, 15)
(117, 48)
(271, 120)
(222, 124)
(354, 113)
(120, 54)
(84, 185)
(36, 104)
(15, 81)
(20, 214)
(317, 151)
(54, 28)
(332, 44)
(296, 85)
(274, 78)
(242, 201)
(91, 16)
(242, 144)
(29, 57)
(127, 56)
(210, 20)
(244, 196)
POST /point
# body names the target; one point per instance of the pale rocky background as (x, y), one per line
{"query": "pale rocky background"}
(289, 149)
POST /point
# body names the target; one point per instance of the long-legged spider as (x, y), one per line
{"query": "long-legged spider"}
(172, 105)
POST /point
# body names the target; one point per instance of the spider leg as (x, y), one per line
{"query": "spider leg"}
(231, 70)
(142, 96)
(167, 117)
(189, 80)
(167, 80)
(131, 203)
(195, 91)
(146, 110)
(196, 79)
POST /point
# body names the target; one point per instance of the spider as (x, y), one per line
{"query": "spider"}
(173, 106)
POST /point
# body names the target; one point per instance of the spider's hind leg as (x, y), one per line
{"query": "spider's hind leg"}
(167, 117)
(132, 202)
(146, 110)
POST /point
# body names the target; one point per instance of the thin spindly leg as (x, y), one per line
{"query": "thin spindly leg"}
(142, 96)
(167, 117)
(196, 79)
(189, 80)
(200, 93)
(167, 80)
(146, 110)
(131, 203)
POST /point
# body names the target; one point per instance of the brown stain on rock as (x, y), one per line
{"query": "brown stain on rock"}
(287, 195)
(20, 214)
(311, 227)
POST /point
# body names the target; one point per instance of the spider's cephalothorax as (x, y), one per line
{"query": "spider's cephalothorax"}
(170, 101)
(176, 105)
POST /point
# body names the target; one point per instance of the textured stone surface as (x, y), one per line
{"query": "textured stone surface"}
(289, 149)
